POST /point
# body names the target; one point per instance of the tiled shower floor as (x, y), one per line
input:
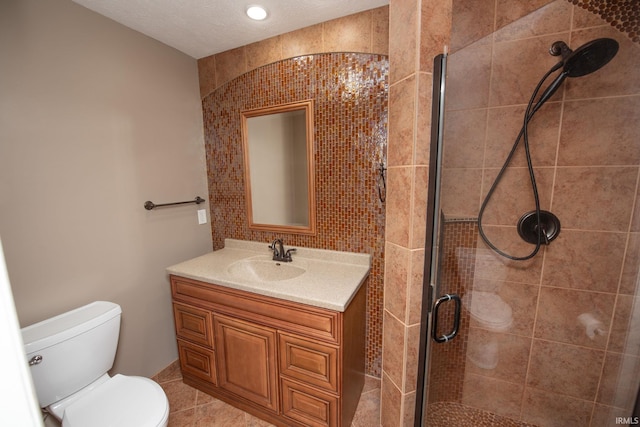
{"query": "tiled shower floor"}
(192, 408)
(450, 414)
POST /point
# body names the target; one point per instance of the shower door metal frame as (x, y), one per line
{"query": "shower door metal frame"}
(433, 221)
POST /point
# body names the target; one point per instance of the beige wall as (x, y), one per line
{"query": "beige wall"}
(94, 120)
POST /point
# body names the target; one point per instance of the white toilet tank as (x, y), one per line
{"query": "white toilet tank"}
(75, 349)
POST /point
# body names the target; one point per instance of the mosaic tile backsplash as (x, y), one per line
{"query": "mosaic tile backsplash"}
(350, 93)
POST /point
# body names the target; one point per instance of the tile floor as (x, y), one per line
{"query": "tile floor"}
(193, 408)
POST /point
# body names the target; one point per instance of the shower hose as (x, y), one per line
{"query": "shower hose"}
(522, 136)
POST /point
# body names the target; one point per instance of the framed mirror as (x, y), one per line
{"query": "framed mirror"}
(279, 175)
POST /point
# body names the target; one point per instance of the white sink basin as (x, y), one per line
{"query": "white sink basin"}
(264, 269)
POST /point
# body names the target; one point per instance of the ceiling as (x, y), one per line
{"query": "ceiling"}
(201, 28)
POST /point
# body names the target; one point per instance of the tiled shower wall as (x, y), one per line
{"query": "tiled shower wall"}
(586, 154)
(350, 139)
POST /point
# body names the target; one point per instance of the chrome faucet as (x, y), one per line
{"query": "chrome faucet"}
(279, 253)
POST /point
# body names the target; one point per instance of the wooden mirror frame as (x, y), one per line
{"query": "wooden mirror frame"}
(307, 107)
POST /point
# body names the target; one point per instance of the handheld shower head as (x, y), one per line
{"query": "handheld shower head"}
(586, 59)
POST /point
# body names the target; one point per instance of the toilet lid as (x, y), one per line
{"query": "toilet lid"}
(121, 401)
(489, 309)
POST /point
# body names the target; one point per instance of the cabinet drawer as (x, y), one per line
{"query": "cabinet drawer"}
(193, 324)
(197, 361)
(309, 361)
(308, 406)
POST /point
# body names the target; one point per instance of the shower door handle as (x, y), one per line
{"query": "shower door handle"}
(456, 318)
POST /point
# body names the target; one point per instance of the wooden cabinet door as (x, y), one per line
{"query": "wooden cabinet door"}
(247, 360)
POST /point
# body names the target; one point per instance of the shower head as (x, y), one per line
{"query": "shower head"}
(587, 58)
(584, 60)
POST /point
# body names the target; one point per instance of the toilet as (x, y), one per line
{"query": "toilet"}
(69, 357)
(489, 310)
(490, 315)
(493, 314)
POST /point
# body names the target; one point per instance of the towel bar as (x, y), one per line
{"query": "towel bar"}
(148, 205)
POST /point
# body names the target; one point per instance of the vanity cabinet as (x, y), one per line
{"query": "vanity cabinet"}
(291, 364)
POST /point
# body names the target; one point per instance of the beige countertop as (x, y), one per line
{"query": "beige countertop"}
(330, 279)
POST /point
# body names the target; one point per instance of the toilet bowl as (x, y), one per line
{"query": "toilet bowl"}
(492, 313)
(119, 401)
(488, 310)
(69, 356)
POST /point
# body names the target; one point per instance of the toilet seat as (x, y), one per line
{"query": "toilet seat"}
(488, 309)
(121, 401)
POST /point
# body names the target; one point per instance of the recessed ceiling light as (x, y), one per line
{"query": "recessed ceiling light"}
(256, 12)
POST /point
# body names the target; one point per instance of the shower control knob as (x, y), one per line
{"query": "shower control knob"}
(35, 360)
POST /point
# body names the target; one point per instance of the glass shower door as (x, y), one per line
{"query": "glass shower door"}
(553, 340)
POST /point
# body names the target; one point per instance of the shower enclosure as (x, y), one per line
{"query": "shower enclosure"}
(553, 340)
